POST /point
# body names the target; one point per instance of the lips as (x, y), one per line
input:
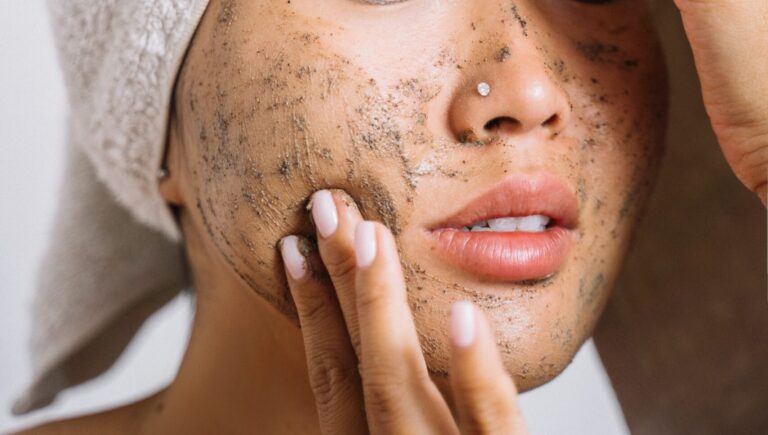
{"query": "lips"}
(511, 255)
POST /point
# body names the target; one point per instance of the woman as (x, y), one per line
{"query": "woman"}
(290, 125)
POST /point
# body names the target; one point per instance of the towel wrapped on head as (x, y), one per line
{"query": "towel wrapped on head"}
(114, 256)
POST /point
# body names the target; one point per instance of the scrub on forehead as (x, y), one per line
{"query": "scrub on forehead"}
(279, 100)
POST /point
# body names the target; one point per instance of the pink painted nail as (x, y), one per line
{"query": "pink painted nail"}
(295, 263)
(365, 243)
(463, 323)
(324, 213)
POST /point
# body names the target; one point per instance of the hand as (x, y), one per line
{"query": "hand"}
(730, 45)
(366, 367)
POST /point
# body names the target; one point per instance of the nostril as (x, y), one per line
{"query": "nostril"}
(491, 125)
(495, 123)
(551, 121)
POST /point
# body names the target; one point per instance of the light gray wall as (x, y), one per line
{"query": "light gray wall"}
(32, 100)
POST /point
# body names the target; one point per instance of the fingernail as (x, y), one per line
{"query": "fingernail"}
(324, 213)
(365, 243)
(295, 263)
(463, 323)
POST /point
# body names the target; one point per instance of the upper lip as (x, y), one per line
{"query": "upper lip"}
(520, 195)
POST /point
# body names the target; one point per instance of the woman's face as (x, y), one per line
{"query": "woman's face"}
(379, 98)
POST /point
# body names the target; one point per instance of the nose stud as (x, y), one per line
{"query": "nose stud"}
(484, 89)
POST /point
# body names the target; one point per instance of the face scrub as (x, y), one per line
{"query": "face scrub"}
(278, 101)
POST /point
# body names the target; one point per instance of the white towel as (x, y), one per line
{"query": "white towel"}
(107, 269)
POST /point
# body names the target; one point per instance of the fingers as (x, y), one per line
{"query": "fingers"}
(399, 396)
(335, 216)
(484, 393)
(331, 360)
(387, 331)
(728, 41)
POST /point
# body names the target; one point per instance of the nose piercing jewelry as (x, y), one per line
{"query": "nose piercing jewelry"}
(162, 173)
(484, 89)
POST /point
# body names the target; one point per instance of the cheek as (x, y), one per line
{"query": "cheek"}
(626, 100)
(626, 145)
(270, 128)
(619, 160)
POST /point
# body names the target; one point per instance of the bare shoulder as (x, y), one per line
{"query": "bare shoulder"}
(123, 420)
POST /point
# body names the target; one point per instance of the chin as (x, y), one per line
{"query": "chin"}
(539, 325)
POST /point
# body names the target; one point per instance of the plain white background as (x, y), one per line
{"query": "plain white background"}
(32, 126)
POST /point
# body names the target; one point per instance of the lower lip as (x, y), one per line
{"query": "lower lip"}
(510, 256)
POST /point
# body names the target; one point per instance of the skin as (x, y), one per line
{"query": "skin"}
(262, 121)
(393, 393)
(257, 144)
(728, 40)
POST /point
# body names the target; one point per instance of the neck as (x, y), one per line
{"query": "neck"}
(244, 370)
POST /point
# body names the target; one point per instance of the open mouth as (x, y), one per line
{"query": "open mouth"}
(519, 230)
(536, 223)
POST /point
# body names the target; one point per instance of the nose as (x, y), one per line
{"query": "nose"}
(514, 95)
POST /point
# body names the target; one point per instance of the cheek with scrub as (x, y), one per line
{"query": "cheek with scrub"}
(531, 231)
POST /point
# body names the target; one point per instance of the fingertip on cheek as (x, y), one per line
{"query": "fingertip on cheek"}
(463, 323)
(295, 263)
(324, 213)
(365, 244)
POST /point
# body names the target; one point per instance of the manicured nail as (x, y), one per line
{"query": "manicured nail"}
(365, 243)
(324, 213)
(295, 263)
(463, 323)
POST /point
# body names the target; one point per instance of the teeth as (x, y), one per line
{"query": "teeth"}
(481, 226)
(530, 224)
(535, 223)
(504, 224)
